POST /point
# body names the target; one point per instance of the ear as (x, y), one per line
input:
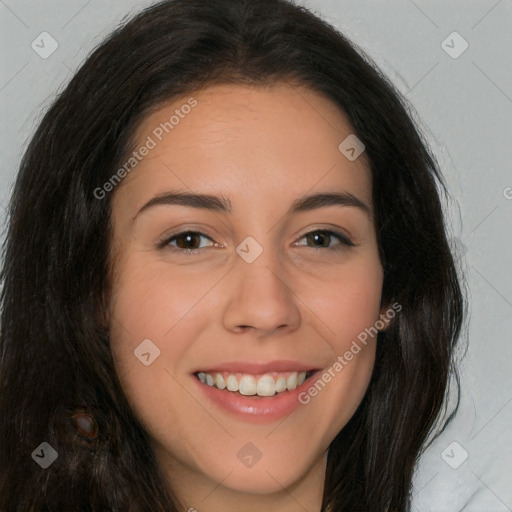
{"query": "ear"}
(386, 316)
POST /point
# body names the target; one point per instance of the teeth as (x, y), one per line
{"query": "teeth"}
(291, 381)
(219, 381)
(280, 384)
(247, 385)
(232, 383)
(266, 386)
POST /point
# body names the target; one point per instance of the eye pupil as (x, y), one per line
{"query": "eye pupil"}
(188, 237)
(319, 238)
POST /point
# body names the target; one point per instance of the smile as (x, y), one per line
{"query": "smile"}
(264, 385)
(255, 393)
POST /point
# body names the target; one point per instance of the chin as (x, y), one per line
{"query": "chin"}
(260, 480)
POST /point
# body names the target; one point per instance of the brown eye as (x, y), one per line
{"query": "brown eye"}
(188, 241)
(322, 238)
(185, 241)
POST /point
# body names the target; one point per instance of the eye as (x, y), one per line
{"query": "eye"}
(186, 241)
(323, 238)
(190, 241)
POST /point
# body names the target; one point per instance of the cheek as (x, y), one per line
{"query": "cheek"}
(152, 302)
(148, 299)
(347, 307)
(347, 302)
(154, 323)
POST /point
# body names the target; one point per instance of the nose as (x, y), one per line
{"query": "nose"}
(260, 297)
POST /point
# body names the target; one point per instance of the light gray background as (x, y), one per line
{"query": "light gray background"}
(465, 106)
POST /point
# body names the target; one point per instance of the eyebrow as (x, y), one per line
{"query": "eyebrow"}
(222, 204)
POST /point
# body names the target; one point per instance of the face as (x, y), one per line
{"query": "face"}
(253, 287)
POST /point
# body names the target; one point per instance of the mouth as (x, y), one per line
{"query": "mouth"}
(265, 384)
(255, 393)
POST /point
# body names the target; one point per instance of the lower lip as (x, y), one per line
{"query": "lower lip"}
(253, 408)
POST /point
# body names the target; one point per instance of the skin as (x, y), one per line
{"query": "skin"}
(261, 148)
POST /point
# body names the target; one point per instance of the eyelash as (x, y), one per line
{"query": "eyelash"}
(344, 241)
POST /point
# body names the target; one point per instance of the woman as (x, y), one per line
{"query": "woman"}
(227, 283)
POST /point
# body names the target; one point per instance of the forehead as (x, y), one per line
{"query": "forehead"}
(270, 142)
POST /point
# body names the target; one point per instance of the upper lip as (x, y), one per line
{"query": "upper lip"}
(257, 368)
